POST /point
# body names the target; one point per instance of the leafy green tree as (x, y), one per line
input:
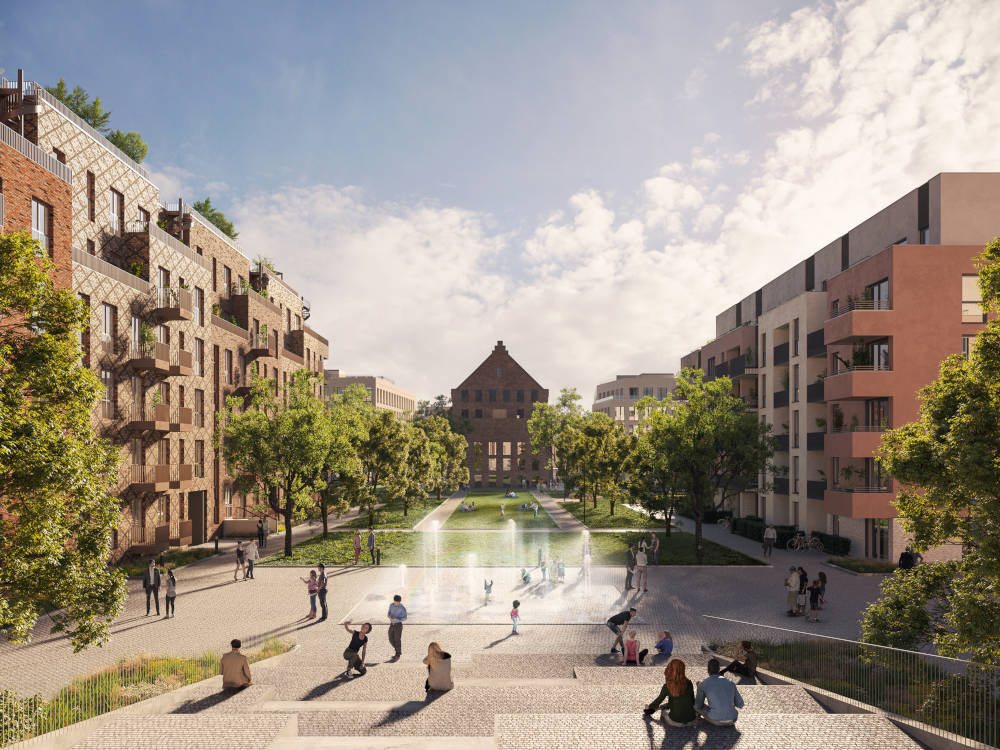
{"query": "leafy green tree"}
(441, 407)
(718, 447)
(89, 110)
(448, 449)
(946, 462)
(277, 447)
(598, 449)
(382, 450)
(341, 467)
(56, 474)
(412, 478)
(551, 427)
(131, 143)
(214, 215)
(653, 472)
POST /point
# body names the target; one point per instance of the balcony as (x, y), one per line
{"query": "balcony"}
(150, 478)
(181, 476)
(859, 381)
(152, 418)
(860, 502)
(781, 443)
(815, 441)
(858, 441)
(154, 357)
(815, 489)
(815, 346)
(181, 362)
(750, 401)
(239, 385)
(780, 399)
(184, 534)
(173, 304)
(780, 354)
(781, 485)
(815, 392)
(295, 342)
(859, 320)
(181, 419)
(261, 345)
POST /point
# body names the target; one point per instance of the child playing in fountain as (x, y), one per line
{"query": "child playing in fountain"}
(515, 615)
(488, 588)
(561, 569)
(542, 565)
(525, 576)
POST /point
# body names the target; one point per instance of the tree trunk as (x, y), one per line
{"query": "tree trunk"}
(611, 502)
(406, 508)
(287, 513)
(699, 552)
(324, 505)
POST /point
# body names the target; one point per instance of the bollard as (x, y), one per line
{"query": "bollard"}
(378, 556)
(216, 545)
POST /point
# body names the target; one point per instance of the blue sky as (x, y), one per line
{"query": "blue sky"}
(590, 182)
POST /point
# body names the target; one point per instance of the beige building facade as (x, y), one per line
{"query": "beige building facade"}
(617, 397)
(382, 392)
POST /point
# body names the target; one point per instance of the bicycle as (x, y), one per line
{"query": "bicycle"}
(723, 522)
(801, 543)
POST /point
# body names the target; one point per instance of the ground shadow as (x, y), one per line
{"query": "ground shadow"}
(498, 641)
(206, 702)
(701, 734)
(408, 709)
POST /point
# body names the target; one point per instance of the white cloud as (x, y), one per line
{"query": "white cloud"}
(724, 43)
(857, 103)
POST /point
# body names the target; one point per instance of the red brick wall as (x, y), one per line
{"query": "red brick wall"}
(23, 180)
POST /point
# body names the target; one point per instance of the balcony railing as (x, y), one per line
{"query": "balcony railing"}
(814, 441)
(859, 428)
(840, 367)
(19, 143)
(153, 356)
(181, 362)
(781, 443)
(174, 304)
(815, 489)
(861, 304)
(157, 475)
(862, 489)
(780, 399)
(815, 346)
(815, 392)
(781, 485)
(781, 354)
(181, 418)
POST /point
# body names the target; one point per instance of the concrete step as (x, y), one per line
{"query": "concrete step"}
(752, 732)
(652, 675)
(246, 731)
(383, 743)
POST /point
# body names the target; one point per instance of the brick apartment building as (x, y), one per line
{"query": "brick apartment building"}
(382, 392)
(178, 315)
(497, 399)
(617, 397)
(833, 351)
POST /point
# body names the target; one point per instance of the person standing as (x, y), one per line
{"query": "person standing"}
(515, 616)
(770, 537)
(357, 545)
(261, 534)
(371, 543)
(171, 594)
(321, 582)
(240, 555)
(397, 613)
(487, 589)
(642, 580)
(629, 567)
(815, 597)
(803, 596)
(312, 586)
(654, 547)
(252, 556)
(357, 650)
(501, 512)
(616, 625)
(792, 590)
(151, 584)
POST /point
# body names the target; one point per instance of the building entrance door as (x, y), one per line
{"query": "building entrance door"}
(198, 513)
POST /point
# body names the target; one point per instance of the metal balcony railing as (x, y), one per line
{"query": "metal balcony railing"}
(860, 428)
(861, 304)
(840, 367)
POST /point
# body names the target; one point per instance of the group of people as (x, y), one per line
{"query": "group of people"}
(799, 593)
(357, 544)
(316, 587)
(151, 582)
(246, 556)
(637, 562)
(716, 700)
(627, 643)
(464, 507)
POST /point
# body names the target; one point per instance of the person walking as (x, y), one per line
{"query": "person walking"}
(261, 534)
(653, 548)
(629, 567)
(151, 584)
(678, 692)
(321, 584)
(371, 543)
(815, 597)
(312, 586)
(822, 589)
(616, 625)
(171, 594)
(252, 556)
(397, 614)
(240, 556)
(792, 591)
(438, 669)
(488, 590)
(642, 580)
(515, 616)
(357, 649)
(357, 545)
(770, 537)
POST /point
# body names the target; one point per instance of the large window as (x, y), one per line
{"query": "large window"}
(228, 367)
(199, 407)
(972, 301)
(199, 357)
(107, 397)
(41, 222)
(877, 412)
(878, 294)
(967, 342)
(91, 197)
(199, 306)
(795, 337)
(116, 210)
(107, 322)
(199, 458)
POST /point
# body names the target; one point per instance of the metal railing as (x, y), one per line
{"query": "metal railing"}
(124, 682)
(952, 698)
(861, 304)
(47, 161)
(839, 367)
(871, 489)
(859, 428)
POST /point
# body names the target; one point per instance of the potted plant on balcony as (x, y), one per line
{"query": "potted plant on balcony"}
(838, 420)
(216, 310)
(821, 422)
(147, 337)
(136, 268)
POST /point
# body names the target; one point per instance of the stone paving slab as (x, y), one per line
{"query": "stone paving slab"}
(752, 732)
(383, 743)
(171, 732)
(208, 698)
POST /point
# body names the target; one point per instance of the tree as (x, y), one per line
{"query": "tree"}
(214, 215)
(441, 407)
(448, 449)
(551, 429)
(718, 447)
(341, 467)
(597, 449)
(277, 447)
(56, 475)
(653, 472)
(382, 450)
(131, 143)
(946, 462)
(412, 478)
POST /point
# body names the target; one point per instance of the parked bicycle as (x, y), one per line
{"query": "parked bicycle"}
(723, 521)
(802, 543)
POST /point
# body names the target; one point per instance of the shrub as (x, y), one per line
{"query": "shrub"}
(20, 717)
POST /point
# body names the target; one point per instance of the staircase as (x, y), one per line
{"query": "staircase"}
(500, 702)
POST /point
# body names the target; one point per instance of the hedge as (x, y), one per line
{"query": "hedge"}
(835, 545)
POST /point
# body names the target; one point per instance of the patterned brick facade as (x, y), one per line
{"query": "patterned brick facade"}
(497, 399)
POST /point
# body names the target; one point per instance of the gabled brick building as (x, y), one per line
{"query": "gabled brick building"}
(497, 399)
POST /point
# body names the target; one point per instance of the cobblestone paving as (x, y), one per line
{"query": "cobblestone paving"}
(247, 732)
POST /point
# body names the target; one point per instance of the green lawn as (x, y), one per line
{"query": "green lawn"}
(862, 566)
(487, 513)
(390, 515)
(599, 518)
(172, 559)
(494, 548)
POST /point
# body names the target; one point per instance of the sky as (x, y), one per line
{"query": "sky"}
(590, 182)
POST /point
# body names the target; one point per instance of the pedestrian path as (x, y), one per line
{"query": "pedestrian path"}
(565, 520)
(440, 513)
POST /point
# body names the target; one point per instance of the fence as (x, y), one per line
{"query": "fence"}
(952, 697)
(128, 681)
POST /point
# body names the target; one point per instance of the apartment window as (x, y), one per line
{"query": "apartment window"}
(199, 458)
(91, 248)
(661, 393)
(479, 413)
(116, 210)
(877, 538)
(520, 413)
(229, 501)
(972, 301)
(878, 294)
(647, 391)
(878, 353)
(506, 394)
(41, 224)
(288, 318)
(228, 367)
(108, 315)
(534, 396)
(144, 217)
(925, 236)
(465, 413)
(967, 343)
(763, 350)
(199, 407)
(227, 280)
(215, 269)
(763, 389)
(877, 412)
(91, 196)
(835, 472)
(795, 428)
(634, 392)
(795, 337)
(298, 323)
(795, 475)
(465, 395)
(520, 397)
(795, 383)
(107, 403)
(499, 372)
(199, 357)
(199, 306)
(493, 394)
(845, 252)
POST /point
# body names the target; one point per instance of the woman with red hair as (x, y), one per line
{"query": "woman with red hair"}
(678, 692)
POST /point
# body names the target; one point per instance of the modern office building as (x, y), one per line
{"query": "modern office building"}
(382, 392)
(839, 346)
(497, 399)
(617, 397)
(178, 316)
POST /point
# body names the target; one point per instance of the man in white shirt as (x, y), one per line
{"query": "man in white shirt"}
(252, 556)
(792, 590)
(641, 564)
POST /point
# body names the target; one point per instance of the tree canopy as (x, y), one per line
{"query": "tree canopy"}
(448, 469)
(948, 464)
(93, 113)
(552, 428)
(56, 475)
(214, 215)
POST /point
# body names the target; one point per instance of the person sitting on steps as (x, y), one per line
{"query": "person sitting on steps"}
(438, 669)
(678, 692)
(721, 695)
(745, 663)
